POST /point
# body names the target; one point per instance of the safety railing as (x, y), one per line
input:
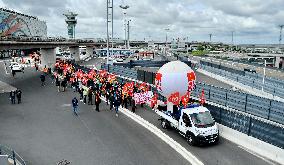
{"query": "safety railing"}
(12, 155)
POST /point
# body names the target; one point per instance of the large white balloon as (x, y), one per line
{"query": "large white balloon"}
(174, 77)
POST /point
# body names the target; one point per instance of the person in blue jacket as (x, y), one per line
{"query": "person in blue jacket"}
(75, 105)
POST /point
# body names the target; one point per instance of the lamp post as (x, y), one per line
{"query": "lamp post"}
(263, 78)
(128, 34)
(124, 8)
(166, 29)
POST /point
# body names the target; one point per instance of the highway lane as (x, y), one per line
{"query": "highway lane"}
(224, 153)
(44, 130)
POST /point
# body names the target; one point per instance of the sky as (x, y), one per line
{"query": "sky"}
(251, 21)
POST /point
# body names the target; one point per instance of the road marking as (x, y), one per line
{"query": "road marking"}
(5, 67)
(172, 143)
(84, 123)
(66, 105)
(255, 154)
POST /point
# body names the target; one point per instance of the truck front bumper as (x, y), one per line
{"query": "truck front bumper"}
(208, 139)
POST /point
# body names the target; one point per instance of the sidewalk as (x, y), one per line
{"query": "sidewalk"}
(4, 87)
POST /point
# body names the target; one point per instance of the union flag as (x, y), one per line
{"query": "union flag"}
(174, 98)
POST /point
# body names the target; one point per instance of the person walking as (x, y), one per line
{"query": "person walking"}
(75, 106)
(97, 102)
(13, 73)
(57, 83)
(64, 84)
(125, 101)
(12, 97)
(107, 96)
(116, 104)
(90, 96)
(133, 105)
(19, 95)
(80, 90)
(85, 93)
(111, 100)
(42, 79)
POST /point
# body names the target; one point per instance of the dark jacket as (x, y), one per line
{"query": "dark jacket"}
(74, 102)
(42, 77)
(117, 101)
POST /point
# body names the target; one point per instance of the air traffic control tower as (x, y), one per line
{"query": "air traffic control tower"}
(71, 23)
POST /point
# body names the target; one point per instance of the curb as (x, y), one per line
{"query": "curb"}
(172, 143)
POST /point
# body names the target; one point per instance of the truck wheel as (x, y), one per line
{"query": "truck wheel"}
(217, 140)
(191, 139)
(164, 124)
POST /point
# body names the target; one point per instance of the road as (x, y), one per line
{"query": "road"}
(43, 130)
(224, 153)
(240, 66)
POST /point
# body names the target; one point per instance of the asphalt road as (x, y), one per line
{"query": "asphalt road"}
(224, 153)
(43, 130)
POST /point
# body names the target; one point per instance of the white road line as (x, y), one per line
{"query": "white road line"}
(84, 123)
(5, 68)
(174, 144)
(255, 154)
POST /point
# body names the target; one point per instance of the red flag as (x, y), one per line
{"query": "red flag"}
(174, 98)
(191, 76)
(202, 97)
(185, 99)
(158, 81)
(154, 100)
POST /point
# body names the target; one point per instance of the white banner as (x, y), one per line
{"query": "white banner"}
(143, 97)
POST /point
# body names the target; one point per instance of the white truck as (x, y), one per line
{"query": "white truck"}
(194, 122)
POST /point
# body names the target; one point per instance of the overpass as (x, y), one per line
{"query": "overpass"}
(47, 48)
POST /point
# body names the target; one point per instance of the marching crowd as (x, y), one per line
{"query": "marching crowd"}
(93, 84)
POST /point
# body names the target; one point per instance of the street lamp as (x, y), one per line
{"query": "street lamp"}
(124, 8)
(263, 78)
(166, 29)
(128, 35)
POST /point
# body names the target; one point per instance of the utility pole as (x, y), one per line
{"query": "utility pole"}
(112, 27)
(128, 34)
(167, 29)
(109, 6)
(232, 40)
(280, 37)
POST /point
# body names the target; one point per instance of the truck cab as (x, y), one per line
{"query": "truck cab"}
(194, 122)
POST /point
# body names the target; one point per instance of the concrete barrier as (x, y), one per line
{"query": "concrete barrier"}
(253, 145)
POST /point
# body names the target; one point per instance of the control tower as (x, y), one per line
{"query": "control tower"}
(71, 23)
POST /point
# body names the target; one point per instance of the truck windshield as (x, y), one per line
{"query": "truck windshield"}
(202, 119)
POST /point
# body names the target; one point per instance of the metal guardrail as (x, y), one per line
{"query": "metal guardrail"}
(275, 89)
(4, 150)
(240, 111)
(258, 106)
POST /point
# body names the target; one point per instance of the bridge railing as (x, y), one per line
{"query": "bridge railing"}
(4, 150)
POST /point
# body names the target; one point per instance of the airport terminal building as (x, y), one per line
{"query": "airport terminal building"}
(17, 24)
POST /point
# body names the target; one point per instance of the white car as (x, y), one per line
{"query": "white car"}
(118, 60)
(16, 67)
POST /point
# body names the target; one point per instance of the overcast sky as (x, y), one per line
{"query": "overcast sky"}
(253, 21)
